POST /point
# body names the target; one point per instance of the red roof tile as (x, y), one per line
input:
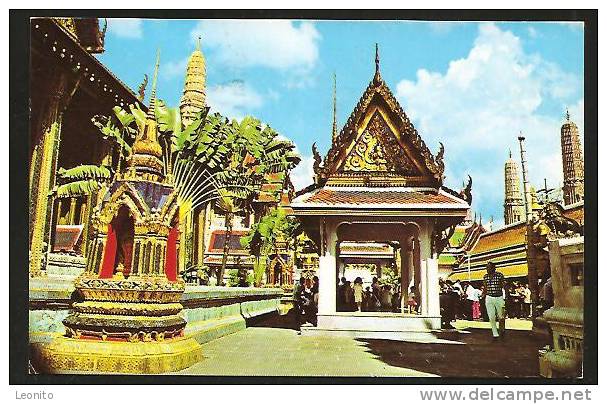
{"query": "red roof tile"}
(334, 197)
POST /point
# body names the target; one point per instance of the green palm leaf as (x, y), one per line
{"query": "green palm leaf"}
(77, 188)
(85, 172)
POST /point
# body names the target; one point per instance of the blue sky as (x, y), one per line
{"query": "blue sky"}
(473, 86)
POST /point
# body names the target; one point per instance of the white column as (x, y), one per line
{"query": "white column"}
(428, 273)
(423, 287)
(432, 289)
(327, 270)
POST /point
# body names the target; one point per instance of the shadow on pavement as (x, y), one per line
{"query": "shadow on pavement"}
(275, 320)
(478, 356)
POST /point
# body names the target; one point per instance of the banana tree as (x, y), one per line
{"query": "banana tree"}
(228, 204)
(119, 129)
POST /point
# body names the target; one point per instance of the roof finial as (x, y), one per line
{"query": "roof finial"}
(377, 76)
(376, 58)
(510, 152)
(334, 106)
(567, 116)
(198, 43)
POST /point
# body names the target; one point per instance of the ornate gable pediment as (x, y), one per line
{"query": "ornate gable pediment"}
(380, 140)
(377, 149)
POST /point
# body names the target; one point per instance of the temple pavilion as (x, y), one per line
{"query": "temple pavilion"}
(379, 183)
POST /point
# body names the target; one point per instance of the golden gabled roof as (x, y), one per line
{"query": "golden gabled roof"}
(400, 148)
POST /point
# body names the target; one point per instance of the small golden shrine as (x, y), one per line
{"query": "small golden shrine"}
(127, 319)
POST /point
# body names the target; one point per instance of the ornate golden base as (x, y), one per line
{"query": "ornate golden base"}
(70, 355)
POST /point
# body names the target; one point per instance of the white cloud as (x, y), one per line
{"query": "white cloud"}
(276, 44)
(303, 174)
(125, 27)
(234, 100)
(479, 105)
(532, 32)
(174, 69)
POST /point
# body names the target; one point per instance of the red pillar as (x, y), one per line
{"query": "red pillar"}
(109, 255)
(170, 267)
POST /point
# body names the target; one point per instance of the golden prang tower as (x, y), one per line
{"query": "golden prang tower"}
(573, 163)
(193, 99)
(514, 208)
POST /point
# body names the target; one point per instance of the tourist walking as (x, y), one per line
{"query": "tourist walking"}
(358, 292)
(494, 299)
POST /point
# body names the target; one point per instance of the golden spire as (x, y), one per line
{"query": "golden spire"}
(152, 108)
(334, 106)
(146, 158)
(193, 99)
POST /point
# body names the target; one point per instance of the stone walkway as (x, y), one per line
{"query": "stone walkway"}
(270, 348)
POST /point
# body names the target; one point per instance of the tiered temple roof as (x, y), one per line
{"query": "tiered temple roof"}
(506, 247)
(378, 162)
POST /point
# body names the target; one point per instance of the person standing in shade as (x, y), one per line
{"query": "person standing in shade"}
(358, 293)
(527, 301)
(297, 300)
(494, 299)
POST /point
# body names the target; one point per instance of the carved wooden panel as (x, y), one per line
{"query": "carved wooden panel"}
(378, 150)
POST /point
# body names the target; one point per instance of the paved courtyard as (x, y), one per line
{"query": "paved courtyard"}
(273, 348)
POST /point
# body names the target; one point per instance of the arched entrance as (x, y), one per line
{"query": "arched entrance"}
(118, 254)
(403, 236)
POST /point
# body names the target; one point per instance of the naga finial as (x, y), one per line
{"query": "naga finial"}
(141, 88)
(466, 193)
(440, 159)
(317, 159)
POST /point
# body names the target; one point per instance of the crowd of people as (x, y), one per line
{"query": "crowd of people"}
(466, 300)
(353, 296)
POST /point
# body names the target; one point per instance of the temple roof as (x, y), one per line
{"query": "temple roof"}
(378, 198)
(506, 247)
(378, 138)
(72, 54)
(218, 241)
